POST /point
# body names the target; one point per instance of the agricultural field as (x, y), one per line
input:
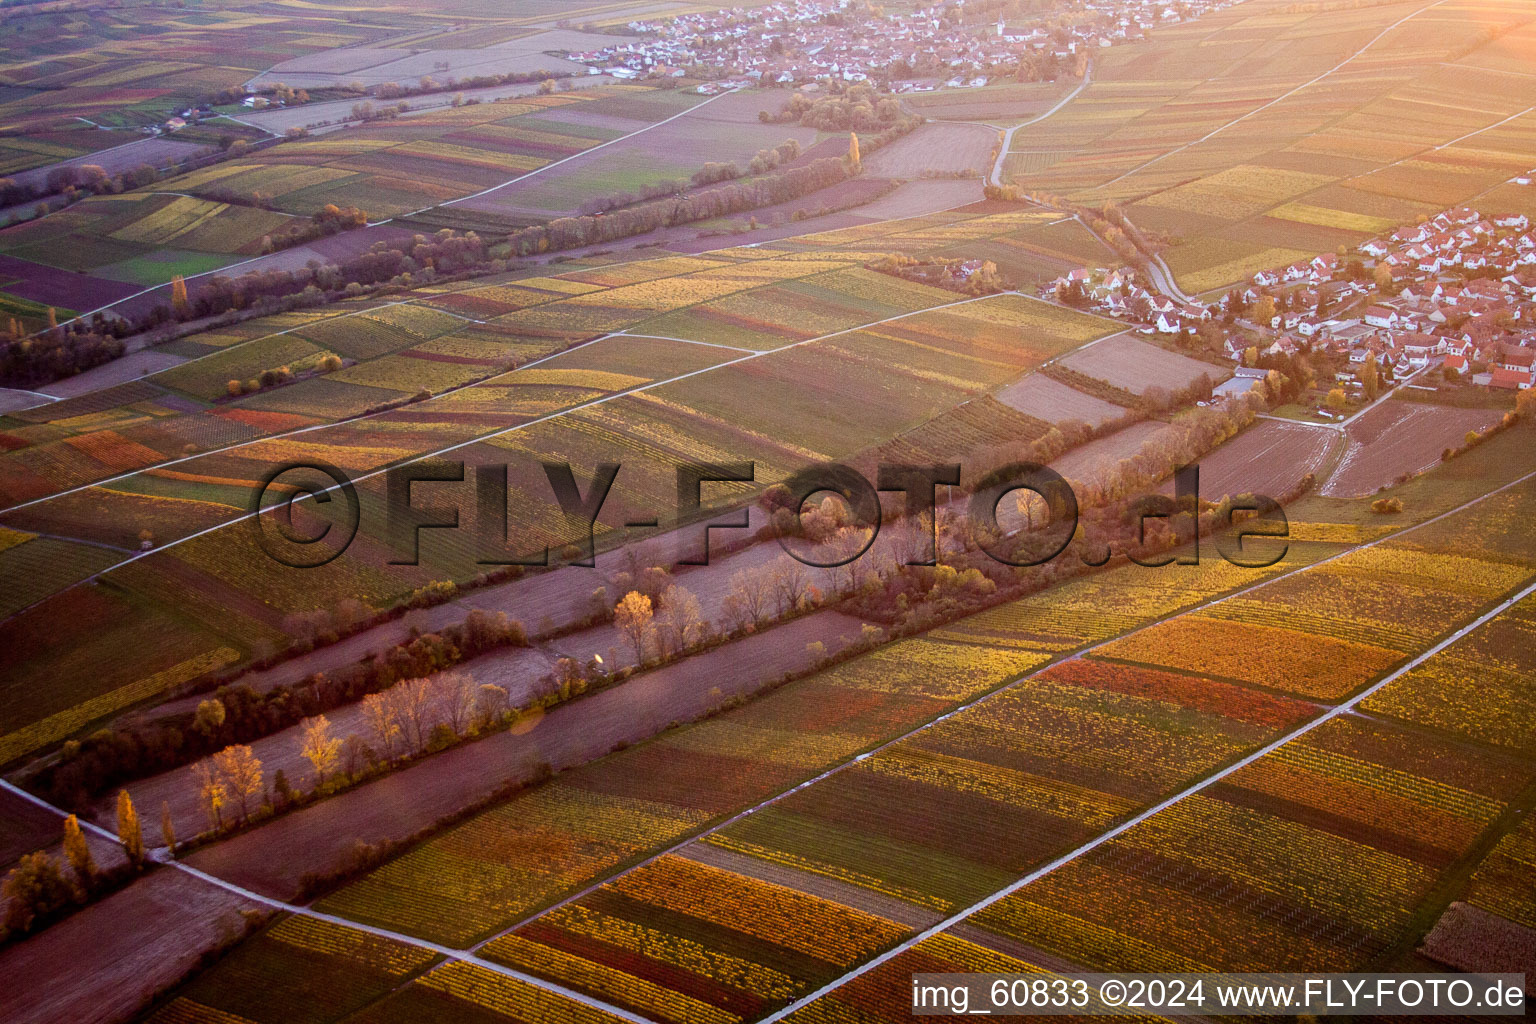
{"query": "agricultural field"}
(640, 799)
(1322, 130)
(1129, 364)
(400, 167)
(936, 149)
(1480, 688)
(609, 400)
(1049, 400)
(996, 104)
(1268, 458)
(378, 65)
(725, 127)
(1400, 438)
(124, 67)
(136, 239)
(523, 756)
(1313, 857)
(1346, 623)
(680, 935)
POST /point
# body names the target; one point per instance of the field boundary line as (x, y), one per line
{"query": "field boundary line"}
(687, 341)
(539, 170)
(373, 224)
(465, 956)
(281, 435)
(591, 403)
(1333, 712)
(1278, 99)
(1003, 687)
(1007, 146)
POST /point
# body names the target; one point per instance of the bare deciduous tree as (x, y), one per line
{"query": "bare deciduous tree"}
(790, 584)
(682, 620)
(753, 588)
(411, 708)
(381, 723)
(456, 700)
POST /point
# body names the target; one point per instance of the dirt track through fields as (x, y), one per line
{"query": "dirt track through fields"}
(1345, 707)
(273, 858)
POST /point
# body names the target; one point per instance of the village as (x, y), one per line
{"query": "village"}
(1455, 293)
(952, 44)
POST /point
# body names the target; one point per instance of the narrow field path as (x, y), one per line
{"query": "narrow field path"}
(472, 955)
(1002, 152)
(1278, 99)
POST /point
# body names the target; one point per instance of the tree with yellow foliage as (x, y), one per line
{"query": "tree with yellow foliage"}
(128, 830)
(240, 771)
(321, 749)
(853, 150)
(211, 795)
(633, 616)
(78, 853)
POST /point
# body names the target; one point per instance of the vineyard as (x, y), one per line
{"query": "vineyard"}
(650, 397)
(1314, 856)
(399, 167)
(1326, 633)
(450, 776)
(1311, 858)
(1481, 687)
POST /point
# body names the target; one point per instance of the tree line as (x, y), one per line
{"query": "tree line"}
(238, 714)
(38, 891)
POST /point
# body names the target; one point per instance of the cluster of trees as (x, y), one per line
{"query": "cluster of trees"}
(737, 197)
(261, 291)
(415, 716)
(330, 219)
(1110, 223)
(1290, 375)
(74, 181)
(714, 172)
(857, 108)
(1006, 193)
(237, 714)
(1048, 67)
(280, 375)
(38, 891)
(366, 111)
(1072, 293)
(287, 96)
(27, 362)
(428, 84)
(947, 274)
(662, 629)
